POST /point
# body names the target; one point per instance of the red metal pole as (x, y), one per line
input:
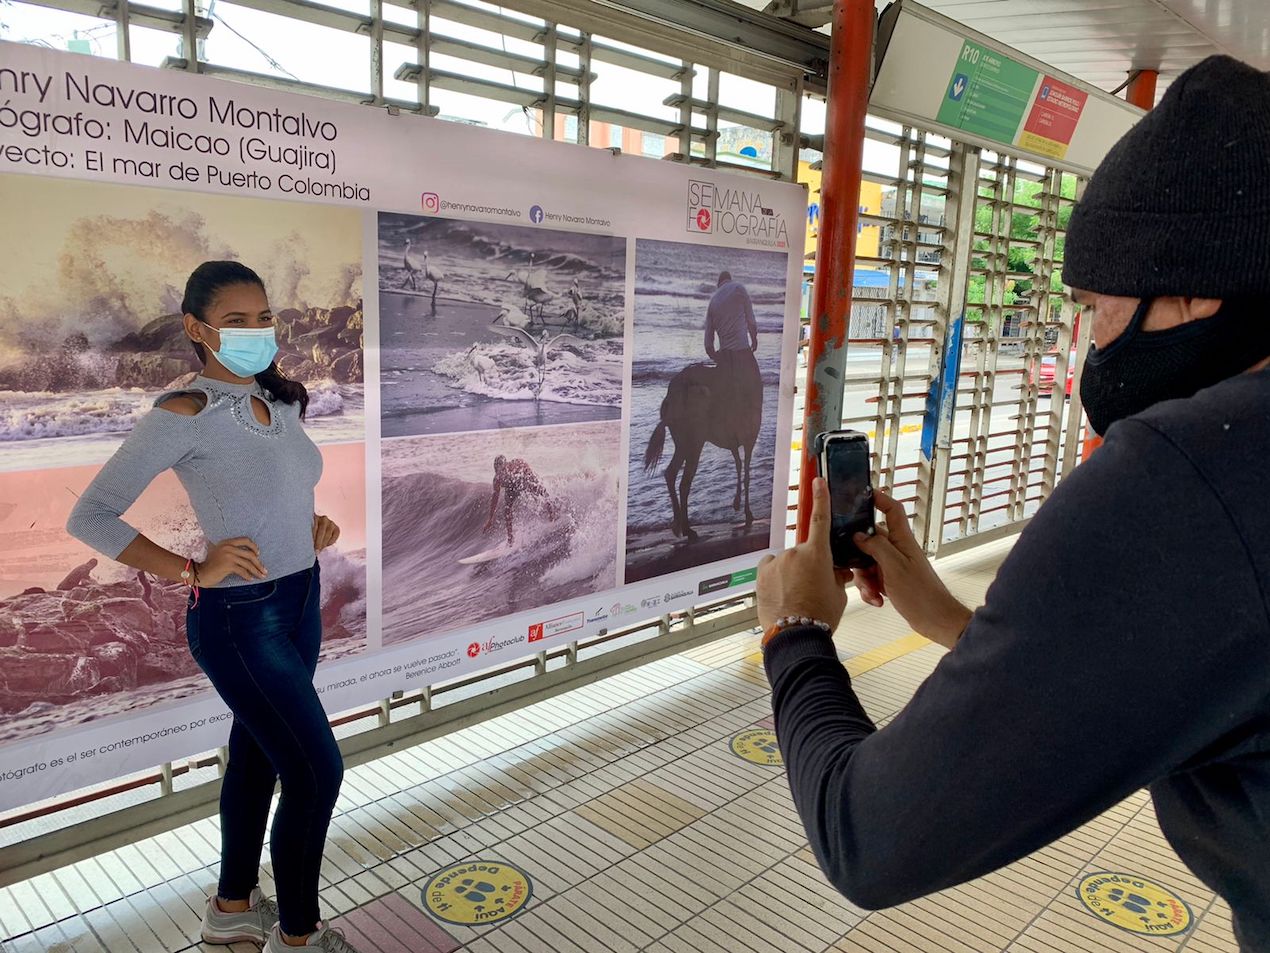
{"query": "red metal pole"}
(1141, 89)
(850, 74)
(1141, 93)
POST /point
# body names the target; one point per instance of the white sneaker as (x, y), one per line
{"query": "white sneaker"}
(327, 938)
(252, 925)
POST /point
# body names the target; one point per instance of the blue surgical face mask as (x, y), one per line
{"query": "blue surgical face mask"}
(246, 351)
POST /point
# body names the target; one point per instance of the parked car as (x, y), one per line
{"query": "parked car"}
(1042, 372)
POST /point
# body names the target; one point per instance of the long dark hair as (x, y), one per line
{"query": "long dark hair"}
(204, 284)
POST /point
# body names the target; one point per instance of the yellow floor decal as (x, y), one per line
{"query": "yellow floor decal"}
(477, 892)
(758, 745)
(1135, 904)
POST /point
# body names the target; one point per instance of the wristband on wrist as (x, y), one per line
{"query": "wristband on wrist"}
(189, 576)
(794, 622)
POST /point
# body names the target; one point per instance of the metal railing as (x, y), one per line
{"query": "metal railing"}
(406, 719)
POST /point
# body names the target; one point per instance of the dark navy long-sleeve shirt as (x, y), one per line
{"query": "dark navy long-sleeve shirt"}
(1125, 643)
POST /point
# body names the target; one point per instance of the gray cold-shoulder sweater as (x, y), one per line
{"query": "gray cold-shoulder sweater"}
(244, 478)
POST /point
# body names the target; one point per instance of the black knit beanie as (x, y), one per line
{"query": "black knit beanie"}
(1181, 204)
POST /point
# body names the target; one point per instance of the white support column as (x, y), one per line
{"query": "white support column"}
(959, 215)
(376, 52)
(584, 91)
(685, 111)
(123, 36)
(549, 47)
(712, 118)
(189, 36)
(1075, 409)
(423, 46)
(789, 106)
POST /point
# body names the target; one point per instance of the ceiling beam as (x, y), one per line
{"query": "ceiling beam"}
(808, 13)
(718, 33)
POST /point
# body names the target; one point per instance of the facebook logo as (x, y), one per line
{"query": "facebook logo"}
(536, 215)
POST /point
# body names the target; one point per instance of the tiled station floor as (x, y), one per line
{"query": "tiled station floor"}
(620, 817)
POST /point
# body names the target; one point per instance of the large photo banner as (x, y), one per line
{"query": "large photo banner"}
(552, 388)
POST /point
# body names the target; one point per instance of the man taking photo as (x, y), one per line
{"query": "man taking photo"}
(1126, 641)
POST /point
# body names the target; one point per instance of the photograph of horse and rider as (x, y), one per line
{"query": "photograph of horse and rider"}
(704, 392)
(485, 325)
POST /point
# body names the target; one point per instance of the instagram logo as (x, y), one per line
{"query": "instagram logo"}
(431, 202)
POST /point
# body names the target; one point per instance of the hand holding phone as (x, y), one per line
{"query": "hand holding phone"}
(843, 459)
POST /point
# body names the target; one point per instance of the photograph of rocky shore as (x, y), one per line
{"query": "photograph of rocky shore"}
(83, 638)
(90, 308)
(90, 334)
(91, 649)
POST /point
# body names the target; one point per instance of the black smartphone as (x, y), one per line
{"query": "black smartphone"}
(843, 457)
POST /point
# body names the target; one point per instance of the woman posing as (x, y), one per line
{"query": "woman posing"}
(234, 438)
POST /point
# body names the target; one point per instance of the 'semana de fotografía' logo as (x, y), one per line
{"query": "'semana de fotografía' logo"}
(724, 210)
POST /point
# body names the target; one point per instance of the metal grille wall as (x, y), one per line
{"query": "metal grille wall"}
(896, 328)
(1010, 425)
(977, 235)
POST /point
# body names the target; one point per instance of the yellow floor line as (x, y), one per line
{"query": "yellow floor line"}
(874, 658)
(904, 428)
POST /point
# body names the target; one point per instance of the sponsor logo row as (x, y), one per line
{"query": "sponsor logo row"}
(576, 621)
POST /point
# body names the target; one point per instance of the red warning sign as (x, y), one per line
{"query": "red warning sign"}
(1055, 114)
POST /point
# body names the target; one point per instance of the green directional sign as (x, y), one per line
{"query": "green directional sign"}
(987, 94)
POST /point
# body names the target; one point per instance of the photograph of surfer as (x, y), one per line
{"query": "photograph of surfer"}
(544, 530)
(704, 391)
(512, 480)
(486, 325)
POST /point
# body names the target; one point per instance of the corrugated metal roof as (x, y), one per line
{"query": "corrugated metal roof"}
(1101, 41)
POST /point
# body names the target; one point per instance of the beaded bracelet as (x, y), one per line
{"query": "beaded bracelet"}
(788, 622)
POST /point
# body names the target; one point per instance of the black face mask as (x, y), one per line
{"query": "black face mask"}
(1142, 368)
